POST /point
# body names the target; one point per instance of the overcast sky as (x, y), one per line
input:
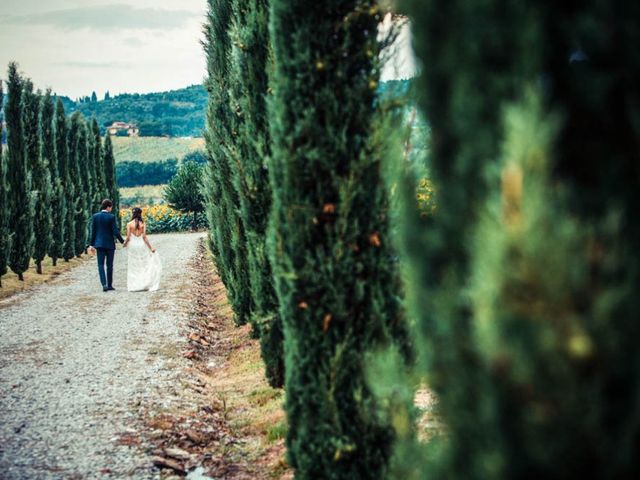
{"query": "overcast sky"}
(78, 46)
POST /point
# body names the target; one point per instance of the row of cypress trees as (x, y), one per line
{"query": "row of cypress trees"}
(55, 171)
(298, 211)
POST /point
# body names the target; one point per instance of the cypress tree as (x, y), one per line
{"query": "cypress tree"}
(77, 141)
(111, 182)
(227, 233)
(58, 173)
(42, 177)
(91, 173)
(5, 230)
(249, 84)
(329, 240)
(85, 181)
(20, 204)
(97, 164)
(66, 166)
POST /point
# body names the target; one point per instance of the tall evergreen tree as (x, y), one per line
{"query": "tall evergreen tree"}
(111, 181)
(58, 173)
(77, 140)
(97, 161)
(42, 189)
(248, 84)
(331, 250)
(91, 172)
(228, 234)
(5, 212)
(66, 166)
(20, 204)
(84, 171)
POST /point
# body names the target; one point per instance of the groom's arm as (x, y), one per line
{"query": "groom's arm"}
(93, 231)
(116, 232)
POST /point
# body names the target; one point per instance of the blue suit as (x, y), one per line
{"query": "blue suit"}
(104, 231)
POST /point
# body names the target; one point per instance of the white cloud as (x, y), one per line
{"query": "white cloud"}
(104, 18)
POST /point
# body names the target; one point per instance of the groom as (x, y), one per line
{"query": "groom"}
(103, 231)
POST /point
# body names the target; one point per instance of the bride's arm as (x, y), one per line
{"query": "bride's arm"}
(126, 242)
(144, 237)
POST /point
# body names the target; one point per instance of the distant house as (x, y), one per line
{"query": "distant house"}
(120, 128)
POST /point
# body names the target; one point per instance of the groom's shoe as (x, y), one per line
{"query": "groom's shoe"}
(110, 288)
(105, 289)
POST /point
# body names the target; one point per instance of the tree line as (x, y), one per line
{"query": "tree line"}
(55, 172)
(177, 113)
(135, 173)
(513, 296)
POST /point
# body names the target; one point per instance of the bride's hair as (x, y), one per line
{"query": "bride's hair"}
(136, 216)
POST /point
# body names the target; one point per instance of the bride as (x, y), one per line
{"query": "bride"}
(144, 266)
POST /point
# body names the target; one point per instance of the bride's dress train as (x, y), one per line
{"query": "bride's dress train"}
(144, 267)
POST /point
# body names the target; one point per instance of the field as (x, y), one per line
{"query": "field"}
(143, 195)
(154, 149)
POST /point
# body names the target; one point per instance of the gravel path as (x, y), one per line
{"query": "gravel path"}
(77, 366)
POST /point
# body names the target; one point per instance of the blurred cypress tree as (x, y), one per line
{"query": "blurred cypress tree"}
(249, 83)
(523, 279)
(42, 190)
(227, 234)
(5, 213)
(111, 182)
(58, 173)
(330, 247)
(20, 204)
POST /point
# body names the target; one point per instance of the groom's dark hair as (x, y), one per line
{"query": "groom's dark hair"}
(106, 203)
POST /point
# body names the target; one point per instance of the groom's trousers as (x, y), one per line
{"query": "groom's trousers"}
(105, 254)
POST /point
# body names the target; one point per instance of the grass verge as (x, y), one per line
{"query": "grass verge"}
(11, 285)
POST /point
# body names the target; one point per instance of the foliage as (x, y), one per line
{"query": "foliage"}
(248, 78)
(52, 175)
(57, 172)
(42, 117)
(334, 271)
(77, 140)
(196, 156)
(111, 181)
(184, 190)
(97, 162)
(164, 219)
(523, 279)
(19, 177)
(5, 212)
(227, 234)
(132, 174)
(175, 113)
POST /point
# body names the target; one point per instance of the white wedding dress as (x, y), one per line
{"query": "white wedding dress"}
(144, 267)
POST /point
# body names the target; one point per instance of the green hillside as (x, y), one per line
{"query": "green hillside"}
(176, 113)
(153, 149)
